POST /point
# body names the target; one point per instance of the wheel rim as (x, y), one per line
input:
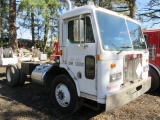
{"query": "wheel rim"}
(62, 95)
(9, 75)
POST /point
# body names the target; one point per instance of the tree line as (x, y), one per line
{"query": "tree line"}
(41, 16)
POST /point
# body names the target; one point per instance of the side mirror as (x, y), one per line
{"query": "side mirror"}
(81, 30)
(76, 30)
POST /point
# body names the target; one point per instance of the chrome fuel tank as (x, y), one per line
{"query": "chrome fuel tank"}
(39, 73)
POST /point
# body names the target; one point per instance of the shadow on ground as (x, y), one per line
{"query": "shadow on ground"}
(31, 101)
(155, 93)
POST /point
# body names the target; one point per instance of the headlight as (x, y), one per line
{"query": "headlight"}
(145, 68)
(115, 77)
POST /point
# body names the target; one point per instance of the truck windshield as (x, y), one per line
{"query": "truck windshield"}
(136, 36)
(114, 33)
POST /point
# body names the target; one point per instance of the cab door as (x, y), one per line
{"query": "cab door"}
(81, 52)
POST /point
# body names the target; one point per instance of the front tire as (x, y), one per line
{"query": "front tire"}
(64, 95)
(12, 75)
(155, 82)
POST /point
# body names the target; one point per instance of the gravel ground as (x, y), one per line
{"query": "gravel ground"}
(32, 102)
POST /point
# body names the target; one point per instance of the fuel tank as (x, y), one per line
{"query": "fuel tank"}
(39, 74)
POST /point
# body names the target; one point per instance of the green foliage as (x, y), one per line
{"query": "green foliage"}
(46, 8)
(39, 44)
(4, 18)
(48, 51)
(43, 12)
(126, 7)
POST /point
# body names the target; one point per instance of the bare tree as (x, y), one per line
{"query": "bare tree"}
(150, 12)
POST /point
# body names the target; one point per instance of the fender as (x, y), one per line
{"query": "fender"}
(156, 68)
(73, 77)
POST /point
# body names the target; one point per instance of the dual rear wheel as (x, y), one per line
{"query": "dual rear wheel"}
(63, 90)
(14, 75)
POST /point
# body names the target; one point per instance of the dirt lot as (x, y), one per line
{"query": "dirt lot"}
(32, 102)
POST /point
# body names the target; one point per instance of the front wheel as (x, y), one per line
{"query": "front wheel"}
(155, 82)
(64, 95)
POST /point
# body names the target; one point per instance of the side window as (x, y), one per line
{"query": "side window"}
(146, 38)
(90, 67)
(70, 31)
(89, 31)
(80, 30)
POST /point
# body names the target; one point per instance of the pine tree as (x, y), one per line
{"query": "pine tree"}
(40, 10)
(127, 7)
(12, 26)
(4, 15)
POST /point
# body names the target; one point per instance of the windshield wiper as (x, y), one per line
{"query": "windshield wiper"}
(138, 46)
(123, 47)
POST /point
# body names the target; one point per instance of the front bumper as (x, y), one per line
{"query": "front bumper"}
(127, 94)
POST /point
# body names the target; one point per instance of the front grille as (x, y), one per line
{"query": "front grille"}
(130, 67)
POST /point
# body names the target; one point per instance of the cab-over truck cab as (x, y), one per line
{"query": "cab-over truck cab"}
(102, 58)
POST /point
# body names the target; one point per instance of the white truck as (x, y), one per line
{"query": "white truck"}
(102, 58)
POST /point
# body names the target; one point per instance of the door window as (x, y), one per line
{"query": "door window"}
(90, 67)
(146, 38)
(80, 30)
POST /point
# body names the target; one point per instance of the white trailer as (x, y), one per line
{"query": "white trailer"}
(102, 58)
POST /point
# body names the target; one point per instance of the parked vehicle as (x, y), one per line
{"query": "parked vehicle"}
(7, 56)
(103, 58)
(152, 38)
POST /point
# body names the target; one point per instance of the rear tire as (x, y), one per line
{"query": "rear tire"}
(155, 82)
(64, 95)
(12, 75)
(22, 76)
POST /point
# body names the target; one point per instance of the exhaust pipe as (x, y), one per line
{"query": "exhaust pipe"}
(69, 4)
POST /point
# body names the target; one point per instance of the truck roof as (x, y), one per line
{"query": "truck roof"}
(152, 30)
(90, 9)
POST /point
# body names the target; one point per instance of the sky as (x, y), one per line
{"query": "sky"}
(26, 34)
(140, 5)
